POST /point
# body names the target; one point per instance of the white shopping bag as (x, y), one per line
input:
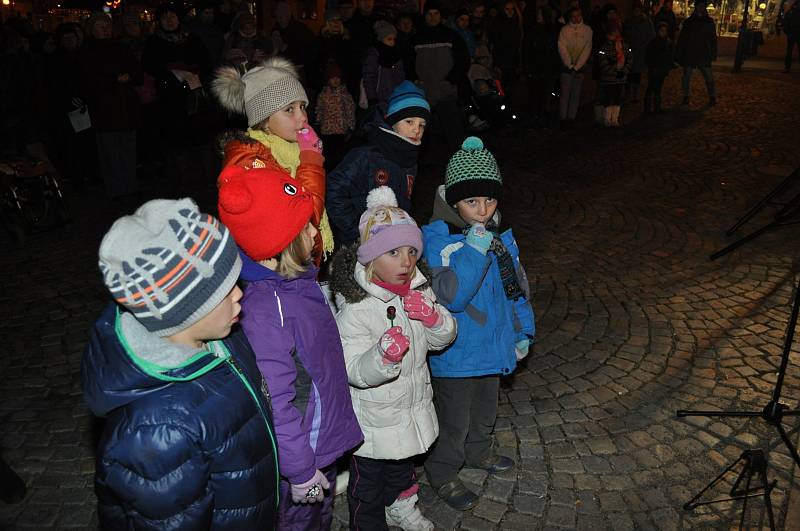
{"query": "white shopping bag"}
(80, 120)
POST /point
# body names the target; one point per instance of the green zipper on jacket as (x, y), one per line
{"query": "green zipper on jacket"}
(231, 361)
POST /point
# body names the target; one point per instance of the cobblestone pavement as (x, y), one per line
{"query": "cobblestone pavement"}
(634, 322)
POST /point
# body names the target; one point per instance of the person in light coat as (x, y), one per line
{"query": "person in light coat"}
(575, 48)
(388, 321)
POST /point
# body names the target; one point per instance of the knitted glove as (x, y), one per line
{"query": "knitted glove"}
(307, 139)
(420, 308)
(312, 490)
(479, 238)
(393, 345)
(521, 348)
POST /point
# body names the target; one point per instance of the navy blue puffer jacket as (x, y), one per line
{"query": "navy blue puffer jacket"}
(187, 444)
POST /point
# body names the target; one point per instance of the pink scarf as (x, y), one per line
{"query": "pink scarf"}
(397, 289)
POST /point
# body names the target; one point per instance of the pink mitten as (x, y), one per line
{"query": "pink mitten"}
(307, 139)
(420, 308)
(393, 345)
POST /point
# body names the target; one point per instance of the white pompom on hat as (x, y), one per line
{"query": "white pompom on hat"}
(261, 92)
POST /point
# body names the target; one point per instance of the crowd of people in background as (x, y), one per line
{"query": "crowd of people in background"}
(118, 99)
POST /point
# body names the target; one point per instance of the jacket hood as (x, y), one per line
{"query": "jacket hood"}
(123, 362)
(448, 214)
(348, 279)
(252, 271)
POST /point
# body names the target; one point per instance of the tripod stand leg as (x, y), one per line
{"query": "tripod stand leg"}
(788, 443)
(688, 506)
(768, 502)
(753, 211)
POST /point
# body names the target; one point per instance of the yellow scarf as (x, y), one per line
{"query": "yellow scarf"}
(287, 154)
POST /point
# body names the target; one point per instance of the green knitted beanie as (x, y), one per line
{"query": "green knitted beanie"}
(472, 172)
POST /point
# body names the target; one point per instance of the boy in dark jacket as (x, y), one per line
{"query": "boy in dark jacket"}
(388, 159)
(659, 62)
(188, 441)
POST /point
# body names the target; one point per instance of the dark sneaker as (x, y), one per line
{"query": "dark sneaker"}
(495, 464)
(457, 495)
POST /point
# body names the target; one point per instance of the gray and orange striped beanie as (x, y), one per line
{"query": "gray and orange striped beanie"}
(169, 264)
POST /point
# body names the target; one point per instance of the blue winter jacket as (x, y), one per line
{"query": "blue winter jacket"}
(468, 284)
(387, 159)
(187, 444)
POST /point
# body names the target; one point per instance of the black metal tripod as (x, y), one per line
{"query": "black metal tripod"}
(772, 413)
(789, 214)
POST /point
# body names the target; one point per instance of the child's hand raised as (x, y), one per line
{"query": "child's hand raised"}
(393, 345)
(307, 139)
(421, 308)
(479, 238)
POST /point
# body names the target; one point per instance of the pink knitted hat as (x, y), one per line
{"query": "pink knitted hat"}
(384, 226)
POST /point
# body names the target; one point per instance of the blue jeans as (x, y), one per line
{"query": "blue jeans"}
(570, 94)
(707, 76)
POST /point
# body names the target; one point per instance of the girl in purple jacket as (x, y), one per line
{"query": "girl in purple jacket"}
(292, 331)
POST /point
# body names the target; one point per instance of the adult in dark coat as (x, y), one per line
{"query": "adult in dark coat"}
(791, 26)
(540, 62)
(110, 72)
(334, 48)
(697, 48)
(293, 40)
(182, 68)
(205, 26)
(505, 39)
(74, 152)
(440, 64)
(638, 31)
(659, 57)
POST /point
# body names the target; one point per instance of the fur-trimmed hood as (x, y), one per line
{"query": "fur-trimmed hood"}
(344, 283)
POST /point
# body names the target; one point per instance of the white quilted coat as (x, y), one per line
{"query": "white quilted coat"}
(393, 403)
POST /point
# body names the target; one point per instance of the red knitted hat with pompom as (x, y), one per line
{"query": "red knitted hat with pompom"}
(264, 209)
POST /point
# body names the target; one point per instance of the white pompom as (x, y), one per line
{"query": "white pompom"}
(381, 196)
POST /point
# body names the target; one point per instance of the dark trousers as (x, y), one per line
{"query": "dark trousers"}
(708, 76)
(792, 40)
(374, 485)
(307, 516)
(655, 82)
(467, 411)
(540, 92)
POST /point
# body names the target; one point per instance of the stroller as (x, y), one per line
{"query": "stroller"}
(31, 199)
(489, 106)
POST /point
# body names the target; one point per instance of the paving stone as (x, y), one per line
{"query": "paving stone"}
(472, 523)
(498, 490)
(558, 516)
(532, 505)
(489, 510)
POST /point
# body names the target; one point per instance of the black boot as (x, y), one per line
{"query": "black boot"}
(12, 488)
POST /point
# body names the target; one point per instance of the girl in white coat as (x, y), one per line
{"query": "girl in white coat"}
(388, 320)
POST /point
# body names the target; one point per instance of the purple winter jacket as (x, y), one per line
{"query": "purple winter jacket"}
(298, 350)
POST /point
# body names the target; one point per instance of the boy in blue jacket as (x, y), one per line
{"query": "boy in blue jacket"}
(188, 440)
(388, 159)
(478, 277)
